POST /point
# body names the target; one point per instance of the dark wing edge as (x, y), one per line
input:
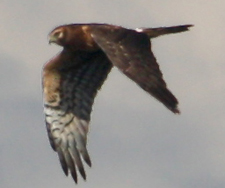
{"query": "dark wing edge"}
(131, 52)
(156, 32)
(68, 116)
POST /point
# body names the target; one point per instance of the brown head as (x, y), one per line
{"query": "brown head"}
(73, 36)
(59, 36)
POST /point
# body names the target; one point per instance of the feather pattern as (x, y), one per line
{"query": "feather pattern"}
(131, 52)
(67, 117)
(72, 78)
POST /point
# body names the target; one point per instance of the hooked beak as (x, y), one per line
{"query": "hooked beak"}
(52, 39)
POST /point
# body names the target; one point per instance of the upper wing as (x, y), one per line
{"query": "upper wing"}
(70, 83)
(156, 32)
(131, 52)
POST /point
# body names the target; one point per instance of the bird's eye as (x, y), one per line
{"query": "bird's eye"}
(58, 34)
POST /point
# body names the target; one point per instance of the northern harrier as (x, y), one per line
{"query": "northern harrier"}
(72, 78)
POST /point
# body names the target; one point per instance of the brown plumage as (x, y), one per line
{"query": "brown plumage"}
(72, 78)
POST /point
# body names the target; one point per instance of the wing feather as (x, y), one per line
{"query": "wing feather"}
(62, 161)
(156, 32)
(130, 51)
(70, 84)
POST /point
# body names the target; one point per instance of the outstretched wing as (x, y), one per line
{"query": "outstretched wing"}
(156, 32)
(70, 84)
(130, 51)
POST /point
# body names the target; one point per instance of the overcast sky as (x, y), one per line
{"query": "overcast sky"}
(134, 141)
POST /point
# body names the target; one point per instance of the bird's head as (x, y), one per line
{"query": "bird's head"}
(58, 36)
(73, 37)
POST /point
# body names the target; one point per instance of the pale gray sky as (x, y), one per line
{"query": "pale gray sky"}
(134, 141)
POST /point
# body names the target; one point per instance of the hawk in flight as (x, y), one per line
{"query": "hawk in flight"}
(73, 77)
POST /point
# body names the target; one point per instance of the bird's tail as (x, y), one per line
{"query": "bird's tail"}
(155, 32)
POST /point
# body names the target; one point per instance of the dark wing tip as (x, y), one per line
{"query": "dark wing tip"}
(82, 173)
(164, 95)
(87, 160)
(62, 161)
(185, 27)
(189, 25)
(74, 175)
(156, 32)
(175, 110)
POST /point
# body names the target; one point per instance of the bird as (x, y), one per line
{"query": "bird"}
(72, 78)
